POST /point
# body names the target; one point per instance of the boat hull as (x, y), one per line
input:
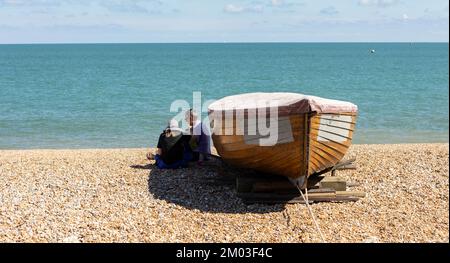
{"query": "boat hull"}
(307, 143)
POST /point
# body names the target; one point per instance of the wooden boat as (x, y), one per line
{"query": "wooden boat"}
(313, 134)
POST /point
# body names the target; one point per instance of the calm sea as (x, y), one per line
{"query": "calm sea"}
(118, 95)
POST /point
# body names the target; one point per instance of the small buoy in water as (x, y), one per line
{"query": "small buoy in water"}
(372, 51)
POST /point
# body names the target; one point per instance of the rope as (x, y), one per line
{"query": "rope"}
(311, 212)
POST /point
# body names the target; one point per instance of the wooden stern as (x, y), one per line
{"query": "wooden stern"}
(329, 140)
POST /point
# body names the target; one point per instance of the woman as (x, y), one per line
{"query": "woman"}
(171, 152)
(200, 142)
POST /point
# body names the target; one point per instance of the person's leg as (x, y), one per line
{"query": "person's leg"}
(190, 154)
(176, 165)
(187, 154)
(187, 157)
(160, 163)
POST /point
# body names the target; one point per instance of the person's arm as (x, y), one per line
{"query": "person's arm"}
(160, 144)
(150, 155)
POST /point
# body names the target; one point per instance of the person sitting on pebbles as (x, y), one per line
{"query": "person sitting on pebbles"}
(200, 141)
(171, 149)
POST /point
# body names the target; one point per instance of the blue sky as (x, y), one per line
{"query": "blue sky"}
(118, 21)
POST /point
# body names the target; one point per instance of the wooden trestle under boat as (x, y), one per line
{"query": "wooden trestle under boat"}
(311, 134)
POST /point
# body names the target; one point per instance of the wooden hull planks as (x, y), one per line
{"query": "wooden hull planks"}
(319, 141)
(281, 159)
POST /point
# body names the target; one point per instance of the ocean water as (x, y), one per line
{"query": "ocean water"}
(119, 95)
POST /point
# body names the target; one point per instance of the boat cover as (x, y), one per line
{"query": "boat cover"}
(287, 103)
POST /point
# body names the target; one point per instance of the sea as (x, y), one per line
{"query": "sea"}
(120, 95)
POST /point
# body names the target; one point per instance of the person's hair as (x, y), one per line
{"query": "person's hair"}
(193, 114)
(168, 131)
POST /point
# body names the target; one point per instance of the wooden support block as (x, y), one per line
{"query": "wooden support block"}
(260, 188)
(321, 195)
(334, 182)
(347, 167)
(321, 190)
(350, 194)
(270, 198)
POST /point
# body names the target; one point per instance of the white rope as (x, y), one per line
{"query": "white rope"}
(311, 212)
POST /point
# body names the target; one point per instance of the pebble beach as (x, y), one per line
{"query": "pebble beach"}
(116, 195)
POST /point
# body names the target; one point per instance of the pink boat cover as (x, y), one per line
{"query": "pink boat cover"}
(287, 103)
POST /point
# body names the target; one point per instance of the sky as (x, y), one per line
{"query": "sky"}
(162, 21)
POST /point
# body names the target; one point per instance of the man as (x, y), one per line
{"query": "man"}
(171, 152)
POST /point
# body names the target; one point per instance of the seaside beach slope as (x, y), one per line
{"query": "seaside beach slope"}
(117, 196)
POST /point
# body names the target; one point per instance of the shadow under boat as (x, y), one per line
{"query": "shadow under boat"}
(208, 188)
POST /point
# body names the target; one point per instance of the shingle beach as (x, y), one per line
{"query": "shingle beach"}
(116, 195)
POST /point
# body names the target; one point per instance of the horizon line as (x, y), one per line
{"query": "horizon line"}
(231, 42)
